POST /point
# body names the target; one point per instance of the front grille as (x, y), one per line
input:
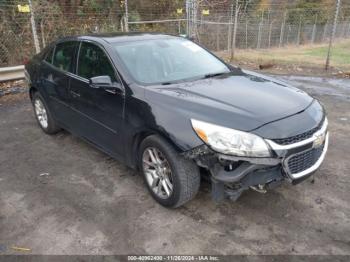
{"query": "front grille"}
(298, 138)
(304, 160)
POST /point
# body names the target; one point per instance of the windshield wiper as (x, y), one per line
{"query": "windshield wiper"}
(215, 74)
(166, 83)
(191, 79)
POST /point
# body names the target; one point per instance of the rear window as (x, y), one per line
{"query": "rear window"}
(64, 56)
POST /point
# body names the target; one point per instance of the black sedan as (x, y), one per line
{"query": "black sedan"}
(175, 111)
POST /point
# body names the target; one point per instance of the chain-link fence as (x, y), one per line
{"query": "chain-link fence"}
(270, 25)
(52, 19)
(217, 24)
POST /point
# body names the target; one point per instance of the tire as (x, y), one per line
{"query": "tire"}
(51, 126)
(185, 176)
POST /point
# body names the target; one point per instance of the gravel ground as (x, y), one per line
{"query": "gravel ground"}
(59, 195)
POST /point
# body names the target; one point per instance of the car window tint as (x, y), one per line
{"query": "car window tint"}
(94, 62)
(49, 55)
(64, 56)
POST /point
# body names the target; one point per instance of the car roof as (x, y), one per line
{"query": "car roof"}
(119, 37)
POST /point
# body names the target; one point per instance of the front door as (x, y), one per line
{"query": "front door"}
(101, 111)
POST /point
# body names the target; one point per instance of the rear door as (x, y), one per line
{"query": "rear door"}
(57, 69)
(101, 111)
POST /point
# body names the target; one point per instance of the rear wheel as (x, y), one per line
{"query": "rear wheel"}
(43, 115)
(171, 179)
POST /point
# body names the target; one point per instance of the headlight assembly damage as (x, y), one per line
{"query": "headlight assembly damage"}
(229, 141)
(239, 160)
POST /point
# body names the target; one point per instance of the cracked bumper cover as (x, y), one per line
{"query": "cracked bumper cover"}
(247, 171)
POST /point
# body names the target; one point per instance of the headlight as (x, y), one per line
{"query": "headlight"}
(230, 141)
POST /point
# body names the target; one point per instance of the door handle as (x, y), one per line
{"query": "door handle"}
(75, 94)
(111, 91)
(50, 79)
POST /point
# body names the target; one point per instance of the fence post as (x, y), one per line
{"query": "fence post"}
(191, 10)
(195, 20)
(233, 46)
(186, 7)
(258, 41)
(217, 34)
(126, 16)
(282, 28)
(325, 31)
(187, 17)
(333, 34)
(230, 28)
(288, 31)
(299, 31)
(266, 27)
(259, 32)
(270, 31)
(246, 33)
(34, 31)
(43, 42)
(314, 31)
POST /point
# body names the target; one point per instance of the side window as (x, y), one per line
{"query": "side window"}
(64, 56)
(94, 62)
(49, 55)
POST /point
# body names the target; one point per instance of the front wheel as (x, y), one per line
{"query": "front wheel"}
(171, 179)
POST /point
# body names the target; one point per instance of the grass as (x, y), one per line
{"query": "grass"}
(340, 54)
(303, 56)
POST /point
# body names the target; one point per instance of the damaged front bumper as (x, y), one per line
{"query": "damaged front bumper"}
(231, 175)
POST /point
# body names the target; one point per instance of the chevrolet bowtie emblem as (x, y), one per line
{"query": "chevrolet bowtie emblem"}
(319, 140)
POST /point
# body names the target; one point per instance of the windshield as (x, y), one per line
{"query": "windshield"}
(168, 60)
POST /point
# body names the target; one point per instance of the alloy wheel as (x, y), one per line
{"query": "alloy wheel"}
(158, 172)
(41, 113)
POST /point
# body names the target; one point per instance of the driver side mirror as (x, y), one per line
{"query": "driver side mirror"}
(105, 83)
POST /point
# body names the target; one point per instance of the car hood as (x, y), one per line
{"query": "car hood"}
(244, 101)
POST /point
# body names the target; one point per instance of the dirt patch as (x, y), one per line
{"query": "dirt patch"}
(13, 91)
(281, 69)
(304, 60)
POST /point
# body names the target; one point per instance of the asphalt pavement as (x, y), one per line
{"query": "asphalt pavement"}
(59, 195)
